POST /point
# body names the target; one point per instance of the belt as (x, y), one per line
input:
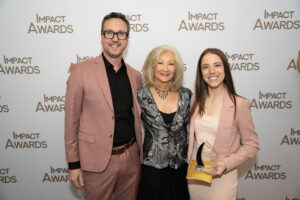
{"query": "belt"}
(122, 148)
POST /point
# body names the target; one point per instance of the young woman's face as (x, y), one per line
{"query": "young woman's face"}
(212, 69)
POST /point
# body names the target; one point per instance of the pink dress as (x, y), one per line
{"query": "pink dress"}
(224, 187)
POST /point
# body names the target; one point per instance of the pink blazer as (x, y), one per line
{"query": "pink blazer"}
(89, 114)
(231, 133)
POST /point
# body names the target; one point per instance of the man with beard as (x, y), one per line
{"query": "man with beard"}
(103, 136)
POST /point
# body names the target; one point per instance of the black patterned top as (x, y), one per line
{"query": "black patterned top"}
(164, 144)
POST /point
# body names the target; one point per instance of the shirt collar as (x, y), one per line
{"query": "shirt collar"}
(109, 66)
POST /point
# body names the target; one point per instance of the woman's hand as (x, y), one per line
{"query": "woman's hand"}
(220, 169)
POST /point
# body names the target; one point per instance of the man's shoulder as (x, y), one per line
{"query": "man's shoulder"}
(84, 65)
(132, 70)
(88, 63)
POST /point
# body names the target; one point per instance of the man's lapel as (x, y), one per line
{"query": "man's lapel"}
(101, 76)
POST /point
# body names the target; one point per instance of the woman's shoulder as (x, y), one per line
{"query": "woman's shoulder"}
(143, 90)
(143, 93)
(241, 101)
(186, 91)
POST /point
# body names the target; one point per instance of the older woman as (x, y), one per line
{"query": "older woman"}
(165, 106)
(222, 118)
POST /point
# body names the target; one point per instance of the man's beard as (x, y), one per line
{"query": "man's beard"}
(115, 55)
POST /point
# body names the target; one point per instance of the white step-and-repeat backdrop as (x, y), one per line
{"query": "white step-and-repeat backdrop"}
(39, 40)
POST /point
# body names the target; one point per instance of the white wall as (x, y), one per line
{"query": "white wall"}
(32, 157)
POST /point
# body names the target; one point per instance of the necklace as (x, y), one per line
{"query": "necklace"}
(163, 94)
(212, 100)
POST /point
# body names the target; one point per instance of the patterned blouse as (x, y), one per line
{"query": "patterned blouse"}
(164, 144)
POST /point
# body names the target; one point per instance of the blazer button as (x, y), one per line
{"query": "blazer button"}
(113, 117)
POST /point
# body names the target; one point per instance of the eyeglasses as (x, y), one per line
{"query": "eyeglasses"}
(111, 34)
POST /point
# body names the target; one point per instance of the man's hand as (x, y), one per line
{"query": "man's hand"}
(75, 176)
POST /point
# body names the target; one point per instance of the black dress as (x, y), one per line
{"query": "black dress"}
(163, 184)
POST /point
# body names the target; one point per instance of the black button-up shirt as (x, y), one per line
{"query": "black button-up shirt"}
(121, 94)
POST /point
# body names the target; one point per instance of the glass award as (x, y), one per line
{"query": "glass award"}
(206, 158)
(205, 164)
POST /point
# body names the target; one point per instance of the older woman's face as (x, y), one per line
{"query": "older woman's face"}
(212, 70)
(165, 68)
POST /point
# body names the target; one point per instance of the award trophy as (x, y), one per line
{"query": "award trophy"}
(205, 158)
(203, 167)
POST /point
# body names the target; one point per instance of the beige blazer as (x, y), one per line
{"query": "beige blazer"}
(89, 114)
(231, 133)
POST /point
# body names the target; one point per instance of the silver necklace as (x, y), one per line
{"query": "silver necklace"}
(163, 94)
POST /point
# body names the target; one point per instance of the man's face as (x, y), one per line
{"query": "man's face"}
(114, 48)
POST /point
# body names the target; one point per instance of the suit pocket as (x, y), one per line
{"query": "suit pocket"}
(86, 137)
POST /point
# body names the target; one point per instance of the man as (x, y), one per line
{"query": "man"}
(102, 119)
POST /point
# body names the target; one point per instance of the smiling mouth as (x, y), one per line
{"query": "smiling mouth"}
(213, 78)
(163, 74)
(114, 45)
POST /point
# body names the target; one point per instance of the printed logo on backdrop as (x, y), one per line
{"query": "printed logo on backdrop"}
(291, 139)
(277, 20)
(51, 104)
(25, 140)
(56, 175)
(6, 176)
(242, 61)
(83, 58)
(137, 24)
(266, 172)
(79, 59)
(18, 65)
(4, 108)
(184, 67)
(207, 21)
(50, 24)
(271, 100)
(295, 64)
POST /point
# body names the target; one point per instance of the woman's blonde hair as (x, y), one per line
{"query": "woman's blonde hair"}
(151, 61)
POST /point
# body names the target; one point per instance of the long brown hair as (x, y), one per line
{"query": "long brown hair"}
(201, 87)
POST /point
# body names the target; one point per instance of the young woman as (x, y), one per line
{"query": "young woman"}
(222, 118)
(165, 107)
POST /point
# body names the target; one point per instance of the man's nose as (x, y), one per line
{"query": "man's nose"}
(115, 37)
